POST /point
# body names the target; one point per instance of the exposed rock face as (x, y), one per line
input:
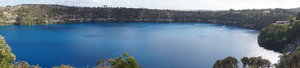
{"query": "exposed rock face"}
(32, 14)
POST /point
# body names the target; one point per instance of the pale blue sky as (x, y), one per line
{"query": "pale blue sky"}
(168, 4)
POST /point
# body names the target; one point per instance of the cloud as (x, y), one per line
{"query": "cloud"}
(168, 4)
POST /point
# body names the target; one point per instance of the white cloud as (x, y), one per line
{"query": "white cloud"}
(168, 4)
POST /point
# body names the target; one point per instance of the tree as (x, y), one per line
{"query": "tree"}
(229, 62)
(275, 36)
(123, 61)
(298, 16)
(255, 62)
(290, 60)
(245, 61)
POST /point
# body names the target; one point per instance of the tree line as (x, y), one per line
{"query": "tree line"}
(32, 14)
(252, 62)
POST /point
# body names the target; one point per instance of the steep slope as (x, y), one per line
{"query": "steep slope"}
(280, 37)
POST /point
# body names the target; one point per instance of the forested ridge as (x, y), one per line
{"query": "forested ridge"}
(33, 14)
(281, 37)
(284, 38)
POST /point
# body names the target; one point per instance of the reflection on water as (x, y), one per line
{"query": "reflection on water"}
(155, 45)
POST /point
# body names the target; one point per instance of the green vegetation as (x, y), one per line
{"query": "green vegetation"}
(290, 60)
(298, 16)
(2, 15)
(277, 36)
(3, 18)
(124, 61)
(64, 66)
(24, 64)
(228, 62)
(255, 62)
(6, 56)
(252, 62)
(33, 14)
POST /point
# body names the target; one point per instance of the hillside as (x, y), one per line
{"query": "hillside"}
(284, 38)
(281, 37)
(33, 14)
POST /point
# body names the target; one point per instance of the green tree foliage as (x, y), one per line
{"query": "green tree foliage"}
(123, 61)
(245, 61)
(64, 66)
(6, 56)
(296, 28)
(298, 16)
(295, 24)
(32, 14)
(290, 60)
(24, 64)
(275, 36)
(255, 62)
(228, 62)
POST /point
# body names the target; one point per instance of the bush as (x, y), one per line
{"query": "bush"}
(275, 36)
(290, 60)
(63, 66)
(6, 56)
(24, 64)
(123, 61)
(255, 62)
(229, 62)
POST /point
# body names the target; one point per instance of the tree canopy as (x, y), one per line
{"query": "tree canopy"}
(277, 36)
(34, 14)
(123, 61)
(255, 62)
(228, 62)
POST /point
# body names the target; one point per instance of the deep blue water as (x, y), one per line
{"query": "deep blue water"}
(154, 45)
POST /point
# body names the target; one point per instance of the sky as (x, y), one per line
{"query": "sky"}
(168, 4)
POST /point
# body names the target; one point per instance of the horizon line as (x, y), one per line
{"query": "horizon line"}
(148, 8)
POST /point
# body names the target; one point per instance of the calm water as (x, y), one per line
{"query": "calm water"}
(177, 45)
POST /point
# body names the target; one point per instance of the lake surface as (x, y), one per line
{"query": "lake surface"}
(154, 45)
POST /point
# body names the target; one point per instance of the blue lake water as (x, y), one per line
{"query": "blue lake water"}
(154, 45)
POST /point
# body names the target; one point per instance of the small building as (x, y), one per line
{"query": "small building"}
(282, 22)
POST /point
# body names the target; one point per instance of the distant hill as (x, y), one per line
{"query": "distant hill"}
(294, 9)
(34, 14)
